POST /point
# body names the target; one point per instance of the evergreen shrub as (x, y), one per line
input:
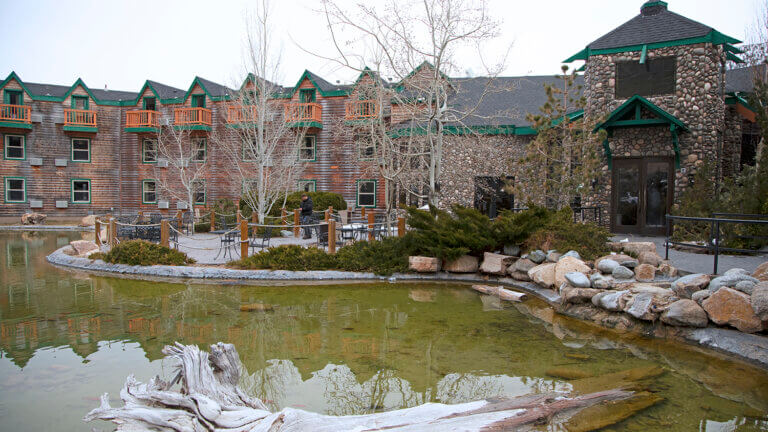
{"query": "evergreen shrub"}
(144, 253)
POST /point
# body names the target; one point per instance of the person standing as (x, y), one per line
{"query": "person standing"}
(306, 214)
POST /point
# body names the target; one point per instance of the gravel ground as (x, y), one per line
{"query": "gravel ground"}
(206, 248)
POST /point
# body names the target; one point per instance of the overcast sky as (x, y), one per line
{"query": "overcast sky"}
(122, 43)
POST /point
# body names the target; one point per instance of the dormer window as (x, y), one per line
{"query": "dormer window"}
(14, 97)
(80, 102)
(654, 77)
(307, 95)
(149, 104)
(198, 101)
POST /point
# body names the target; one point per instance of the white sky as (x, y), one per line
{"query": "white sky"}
(122, 43)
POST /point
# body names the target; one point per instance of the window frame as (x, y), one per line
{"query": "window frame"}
(314, 148)
(360, 148)
(194, 193)
(195, 98)
(144, 103)
(302, 182)
(649, 61)
(72, 149)
(73, 102)
(9, 92)
(308, 91)
(144, 151)
(143, 192)
(357, 192)
(195, 142)
(5, 190)
(23, 147)
(72, 190)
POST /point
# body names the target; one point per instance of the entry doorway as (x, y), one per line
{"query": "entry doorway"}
(642, 195)
(491, 196)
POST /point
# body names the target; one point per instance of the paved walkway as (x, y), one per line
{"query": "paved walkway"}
(206, 248)
(699, 263)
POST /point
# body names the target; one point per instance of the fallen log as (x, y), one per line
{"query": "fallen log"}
(514, 296)
(209, 399)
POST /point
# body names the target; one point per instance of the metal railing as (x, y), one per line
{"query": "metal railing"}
(714, 245)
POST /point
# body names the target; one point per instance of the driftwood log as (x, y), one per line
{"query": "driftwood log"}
(209, 399)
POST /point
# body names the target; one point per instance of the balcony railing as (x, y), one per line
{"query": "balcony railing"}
(303, 112)
(361, 110)
(76, 117)
(142, 119)
(192, 117)
(15, 113)
(241, 114)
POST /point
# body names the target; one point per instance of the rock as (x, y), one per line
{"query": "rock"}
(463, 264)
(729, 280)
(286, 233)
(422, 295)
(700, 296)
(745, 286)
(69, 250)
(571, 294)
(638, 247)
(686, 313)
(760, 301)
(569, 265)
(736, 271)
(646, 302)
(761, 273)
(595, 276)
(88, 221)
(553, 256)
(520, 276)
(577, 279)
(573, 254)
(33, 218)
(687, 285)
(496, 264)
(645, 273)
(668, 270)
(256, 307)
(423, 264)
(603, 283)
(622, 272)
(651, 258)
(730, 307)
(607, 266)
(537, 256)
(543, 274)
(83, 247)
(609, 300)
(568, 373)
(512, 250)
(522, 265)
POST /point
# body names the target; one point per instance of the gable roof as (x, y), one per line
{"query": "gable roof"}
(742, 80)
(635, 102)
(162, 91)
(326, 89)
(214, 91)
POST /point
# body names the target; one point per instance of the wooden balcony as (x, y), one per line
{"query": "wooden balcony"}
(361, 110)
(142, 121)
(304, 114)
(239, 114)
(192, 118)
(15, 116)
(79, 120)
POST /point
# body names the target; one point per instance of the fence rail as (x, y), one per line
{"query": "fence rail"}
(76, 117)
(15, 113)
(142, 118)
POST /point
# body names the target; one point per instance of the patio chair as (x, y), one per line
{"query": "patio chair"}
(322, 234)
(227, 241)
(262, 242)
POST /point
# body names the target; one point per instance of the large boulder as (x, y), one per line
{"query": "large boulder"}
(638, 247)
(730, 280)
(646, 301)
(730, 307)
(33, 218)
(687, 285)
(745, 286)
(760, 301)
(543, 274)
(607, 265)
(522, 265)
(645, 273)
(625, 260)
(422, 264)
(685, 312)
(571, 294)
(622, 272)
(603, 282)
(700, 296)
(520, 276)
(463, 264)
(572, 253)
(761, 273)
(577, 279)
(651, 258)
(668, 270)
(609, 300)
(84, 247)
(496, 264)
(553, 256)
(537, 256)
(88, 221)
(569, 265)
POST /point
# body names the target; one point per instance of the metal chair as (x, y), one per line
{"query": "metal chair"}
(262, 242)
(322, 234)
(227, 241)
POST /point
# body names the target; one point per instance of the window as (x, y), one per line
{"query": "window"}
(149, 151)
(198, 192)
(15, 190)
(654, 77)
(80, 102)
(149, 192)
(14, 147)
(198, 101)
(307, 150)
(308, 185)
(366, 193)
(307, 95)
(365, 147)
(81, 150)
(81, 191)
(149, 103)
(199, 150)
(14, 97)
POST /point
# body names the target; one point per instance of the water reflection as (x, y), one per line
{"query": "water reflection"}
(66, 338)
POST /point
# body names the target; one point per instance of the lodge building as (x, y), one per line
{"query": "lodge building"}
(667, 90)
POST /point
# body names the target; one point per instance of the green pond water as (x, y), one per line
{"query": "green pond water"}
(66, 338)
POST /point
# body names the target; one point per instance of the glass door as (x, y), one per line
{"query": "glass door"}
(641, 195)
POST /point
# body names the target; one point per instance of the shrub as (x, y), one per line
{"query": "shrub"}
(448, 236)
(202, 227)
(320, 200)
(563, 234)
(384, 257)
(141, 252)
(288, 257)
(515, 228)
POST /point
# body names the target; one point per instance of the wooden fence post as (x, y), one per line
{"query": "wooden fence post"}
(213, 219)
(362, 212)
(327, 215)
(180, 220)
(112, 233)
(332, 236)
(97, 231)
(243, 239)
(370, 226)
(284, 216)
(164, 233)
(400, 226)
(239, 217)
(296, 223)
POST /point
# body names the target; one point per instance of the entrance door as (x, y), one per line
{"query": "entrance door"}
(641, 195)
(491, 196)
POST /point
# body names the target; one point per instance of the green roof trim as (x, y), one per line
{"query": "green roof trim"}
(141, 129)
(308, 75)
(656, 3)
(738, 100)
(81, 129)
(192, 127)
(634, 103)
(733, 58)
(13, 76)
(307, 124)
(205, 90)
(16, 125)
(714, 37)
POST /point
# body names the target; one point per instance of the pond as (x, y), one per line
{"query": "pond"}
(66, 338)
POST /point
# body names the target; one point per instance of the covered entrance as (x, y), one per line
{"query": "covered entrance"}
(491, 195)
(642, 188)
